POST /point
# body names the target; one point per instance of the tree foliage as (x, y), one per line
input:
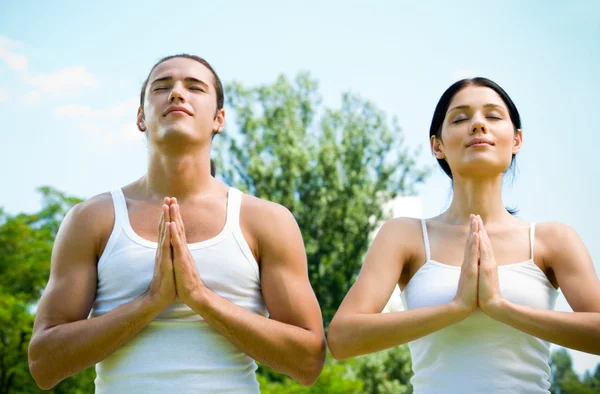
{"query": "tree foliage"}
(335, 169)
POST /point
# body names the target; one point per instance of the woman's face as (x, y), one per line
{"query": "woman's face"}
(478, 137)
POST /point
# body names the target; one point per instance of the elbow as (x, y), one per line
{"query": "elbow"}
(42, 379)
(311, 367)
(310, 372)
(43, 382)
(308, 381)
(38, 367)
(336, 344)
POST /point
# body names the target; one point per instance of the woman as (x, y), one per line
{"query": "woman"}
(478, 284)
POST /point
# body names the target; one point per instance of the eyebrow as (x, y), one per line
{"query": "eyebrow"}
(490, 105)
(186, 79)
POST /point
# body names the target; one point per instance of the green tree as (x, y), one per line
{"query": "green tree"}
(15, 331)
(25, 248)
(336, 378)
(334, 169)
(386, 372)
(26, 245)
(565, 381)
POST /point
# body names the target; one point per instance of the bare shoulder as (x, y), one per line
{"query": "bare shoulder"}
(93, 211)
(259, 215)
(270, 229)
(407, 228)
(90, 221)
(556, 240)
(403, 237)
(554, 235)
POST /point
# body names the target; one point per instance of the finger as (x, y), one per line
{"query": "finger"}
(175, 241)
(484, 249)
(163, 220)
(180, 223)
(167, 217)
(166, 244)
(474, 247)
(488, 264)
(161, 224)
(469, 243)
(174, 215)
(484, 235)
(167, 211)
(473, 254)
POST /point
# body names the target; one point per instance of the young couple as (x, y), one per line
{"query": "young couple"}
(222, 281)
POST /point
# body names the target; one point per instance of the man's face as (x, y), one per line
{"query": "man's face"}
(181, 102)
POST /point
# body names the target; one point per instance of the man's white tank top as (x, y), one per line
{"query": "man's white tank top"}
(479, 354)
(178, 352)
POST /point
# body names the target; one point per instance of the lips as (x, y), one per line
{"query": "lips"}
(479, 141)
(177, 108)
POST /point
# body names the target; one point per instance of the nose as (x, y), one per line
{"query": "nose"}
(478, 125)
(177, 94)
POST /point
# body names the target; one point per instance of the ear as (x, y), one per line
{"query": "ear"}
(141, 123)
(517, 141)
(437, 147)
(219, 124)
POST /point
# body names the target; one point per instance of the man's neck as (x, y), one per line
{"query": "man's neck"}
(183, 175)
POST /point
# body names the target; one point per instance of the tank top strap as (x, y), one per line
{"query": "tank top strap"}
(120, 205)
(234, 203)
(426, 240)
(532, 238)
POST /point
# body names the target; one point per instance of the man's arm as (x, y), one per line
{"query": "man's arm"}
(292, 340)
(64, 340)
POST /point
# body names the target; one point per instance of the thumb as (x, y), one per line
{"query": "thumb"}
(474, 250)
(484, 249)
(175, 241)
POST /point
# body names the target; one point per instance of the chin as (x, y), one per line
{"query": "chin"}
(482, 166)
(175, 131)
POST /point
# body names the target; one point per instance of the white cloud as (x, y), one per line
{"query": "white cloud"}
(129, 132)
(2, 95)
(31, 98)
(13, 60)
(124, 134)
(76, 111)
(69, 80)
(66, 81)
(91, 128)
(126, 108)
(111, 125)
(6, 42)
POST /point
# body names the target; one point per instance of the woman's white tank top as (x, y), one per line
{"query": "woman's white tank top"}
(479, 354)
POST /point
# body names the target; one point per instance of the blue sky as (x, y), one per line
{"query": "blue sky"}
(70, 75)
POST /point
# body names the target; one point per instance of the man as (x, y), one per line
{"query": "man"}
(182, 309)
